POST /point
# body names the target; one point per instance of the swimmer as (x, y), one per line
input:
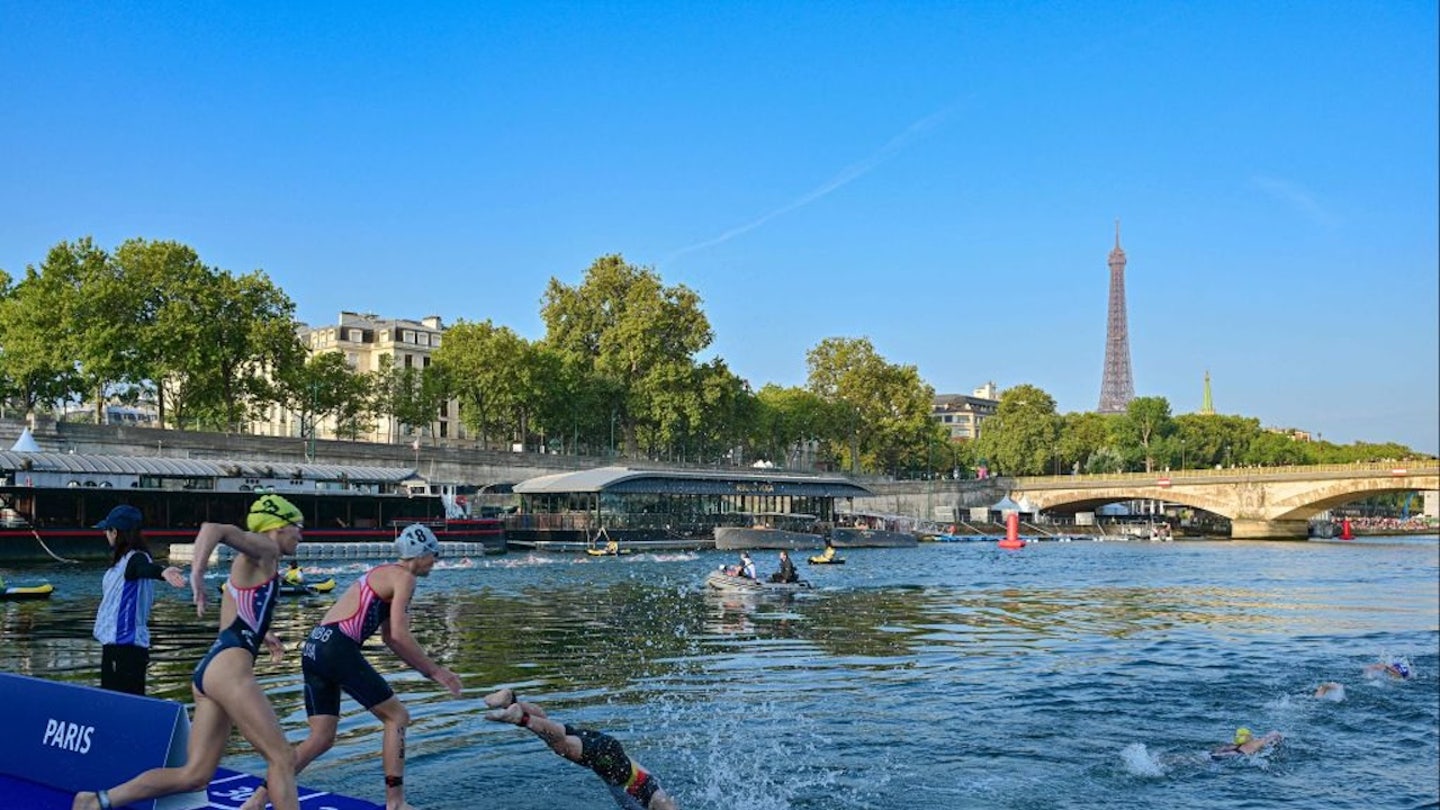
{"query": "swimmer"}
(1330, 691)
(1247, 743)
(632, 787)
(1396, 669)
(333, 660)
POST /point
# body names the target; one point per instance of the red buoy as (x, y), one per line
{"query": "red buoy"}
(1012, 532)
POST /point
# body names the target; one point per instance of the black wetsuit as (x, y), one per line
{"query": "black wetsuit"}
(631, 785)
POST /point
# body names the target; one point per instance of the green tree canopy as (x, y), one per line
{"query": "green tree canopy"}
(489, 369)
(880, 412)
(1146, 424)
(325, 386)
(35, 367)
(635, 338)
(1022, 438)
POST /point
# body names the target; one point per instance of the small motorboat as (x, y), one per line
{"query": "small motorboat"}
(730, 583)
(819, 560)
(40, 591)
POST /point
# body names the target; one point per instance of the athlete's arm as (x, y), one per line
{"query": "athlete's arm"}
(396, 634)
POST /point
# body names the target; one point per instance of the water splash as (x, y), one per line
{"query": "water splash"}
(1139, 761)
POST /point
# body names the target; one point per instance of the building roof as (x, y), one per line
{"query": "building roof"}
(956, 402)
(623, 480)
(165, 466)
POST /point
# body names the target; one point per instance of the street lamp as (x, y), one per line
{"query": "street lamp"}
(930, 477)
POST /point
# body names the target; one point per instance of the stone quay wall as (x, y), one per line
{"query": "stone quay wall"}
(941, 500)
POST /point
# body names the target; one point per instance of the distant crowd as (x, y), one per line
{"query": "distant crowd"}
(1378, 523)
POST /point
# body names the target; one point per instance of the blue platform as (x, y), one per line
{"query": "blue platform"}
(61, 738)
(228, 790)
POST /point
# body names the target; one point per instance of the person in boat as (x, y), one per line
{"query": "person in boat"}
(787, 569)
(1397, 669)
(747, 566)
(333, 661)
(829, 553)
(1247, 743)
(293, 574)
(632, 787)
(224, 687)
(127, 592)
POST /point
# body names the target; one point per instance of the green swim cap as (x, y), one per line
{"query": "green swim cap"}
(1242, 735)
(270, 512)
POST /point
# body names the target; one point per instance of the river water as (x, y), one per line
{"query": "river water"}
(944, 676)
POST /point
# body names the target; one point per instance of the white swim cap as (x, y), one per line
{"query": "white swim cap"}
(417, 541)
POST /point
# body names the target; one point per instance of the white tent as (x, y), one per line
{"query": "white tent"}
(26, 443)
(1006, 505)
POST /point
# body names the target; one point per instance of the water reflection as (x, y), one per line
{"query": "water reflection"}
(918, 677)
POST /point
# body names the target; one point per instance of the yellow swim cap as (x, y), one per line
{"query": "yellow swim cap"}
(1242, 735)
(271, 512)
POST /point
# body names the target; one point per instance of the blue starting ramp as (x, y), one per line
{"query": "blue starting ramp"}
(63, 738)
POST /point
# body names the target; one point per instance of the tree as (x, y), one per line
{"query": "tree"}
(1274, 449)
(632, 336)
(784, 419)
(171, 279)
(1147, 422)
(724, 406)
(325, 386)
(96, 311)
(1022, 437)
(409, 396)
(881, 411)
(1083, 434)
(487, 367)
(244, 334)
(1215, 439)
(35, 368)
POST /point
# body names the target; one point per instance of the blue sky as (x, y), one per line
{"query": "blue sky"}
(941, 178)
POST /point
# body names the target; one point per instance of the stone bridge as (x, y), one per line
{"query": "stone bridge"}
(1261, 502)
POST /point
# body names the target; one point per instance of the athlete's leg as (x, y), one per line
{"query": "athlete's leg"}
(319, 740)
(521, 713)
(230, 682)
(208, 734)
(392, 748)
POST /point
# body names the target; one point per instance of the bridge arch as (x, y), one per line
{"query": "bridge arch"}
(1259, 502)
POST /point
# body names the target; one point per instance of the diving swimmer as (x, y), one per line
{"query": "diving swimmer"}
(632, 787)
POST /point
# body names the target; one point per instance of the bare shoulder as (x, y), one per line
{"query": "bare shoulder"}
(248, 570)
(388, 580)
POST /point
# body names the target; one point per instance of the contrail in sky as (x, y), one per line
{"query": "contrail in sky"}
(1297, 197)
(850, 173)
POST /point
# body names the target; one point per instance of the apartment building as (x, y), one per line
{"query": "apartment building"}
(368, 341)
(962, 415)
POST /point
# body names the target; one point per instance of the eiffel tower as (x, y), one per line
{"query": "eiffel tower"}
(1117, 388)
